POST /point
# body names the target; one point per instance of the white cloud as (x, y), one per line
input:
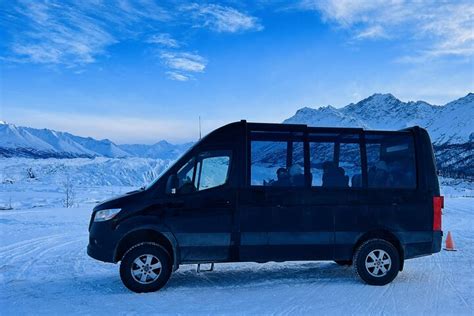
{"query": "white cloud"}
(221, 18)
(375, 31)
(77, 33)
(184, 61)
(163, 39)
(177, 76)
(56, 34)
(441, 27)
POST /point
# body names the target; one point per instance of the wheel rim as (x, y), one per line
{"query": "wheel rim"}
(146, 269)
(378, 263)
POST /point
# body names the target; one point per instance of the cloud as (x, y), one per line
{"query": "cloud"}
(440, 28)
(76, 33)
(221, 18)
(163, 39)
(375, 31)
(184, 61)
(177, 76)
(57, 34)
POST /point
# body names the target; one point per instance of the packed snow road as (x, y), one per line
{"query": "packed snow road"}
(44, 269)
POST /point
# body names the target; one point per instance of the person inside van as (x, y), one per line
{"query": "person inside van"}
(379, 175)
(296, 175)
(283, 179)
(334, 176)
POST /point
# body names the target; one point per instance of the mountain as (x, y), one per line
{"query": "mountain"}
(17, 141)
(451, 126)
(45, 143)
(160, 150)
(452, 123)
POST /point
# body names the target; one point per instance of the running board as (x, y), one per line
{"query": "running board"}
(209, 270)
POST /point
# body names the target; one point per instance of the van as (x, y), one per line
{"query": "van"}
(254, 192)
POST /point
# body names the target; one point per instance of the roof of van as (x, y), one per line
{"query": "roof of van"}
(279, 126)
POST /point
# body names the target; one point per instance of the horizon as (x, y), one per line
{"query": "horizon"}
(210, 130)
(136, 72)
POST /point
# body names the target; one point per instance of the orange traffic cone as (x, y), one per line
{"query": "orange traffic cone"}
(449, 243)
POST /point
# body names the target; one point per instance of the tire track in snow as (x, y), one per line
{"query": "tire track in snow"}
(32, 246)
(39, 257)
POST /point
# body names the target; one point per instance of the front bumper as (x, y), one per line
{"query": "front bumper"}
(100, 253)
(102, 241)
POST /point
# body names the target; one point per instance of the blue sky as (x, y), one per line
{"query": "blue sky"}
(144, 70)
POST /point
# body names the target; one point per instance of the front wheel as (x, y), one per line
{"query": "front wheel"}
(145, 267)
(377, 262)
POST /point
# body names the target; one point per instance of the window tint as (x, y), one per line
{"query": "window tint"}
(278, 162)
(319, 154)
(208, 170)
(213, 172)
(390, 161)
(350, 161)
(185, 177)
(335, 160)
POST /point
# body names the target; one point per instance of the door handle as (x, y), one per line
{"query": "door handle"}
(222, 203)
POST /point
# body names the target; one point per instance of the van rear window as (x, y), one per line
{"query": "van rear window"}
(390, 160)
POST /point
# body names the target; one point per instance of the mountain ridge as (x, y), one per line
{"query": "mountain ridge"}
(450, 126)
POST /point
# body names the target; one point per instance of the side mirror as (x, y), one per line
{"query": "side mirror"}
(172, 184)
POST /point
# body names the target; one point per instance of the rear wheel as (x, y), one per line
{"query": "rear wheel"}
(377, 262)
(145, 267)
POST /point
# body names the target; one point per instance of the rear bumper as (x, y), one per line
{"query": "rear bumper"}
(437, 241)
(419, 249)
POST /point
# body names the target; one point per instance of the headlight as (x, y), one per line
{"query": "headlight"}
(105, 215)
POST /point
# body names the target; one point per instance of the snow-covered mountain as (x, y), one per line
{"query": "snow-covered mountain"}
(160, 150)
(16, 141)
(451, 127)
(45, 143)
(452, 123)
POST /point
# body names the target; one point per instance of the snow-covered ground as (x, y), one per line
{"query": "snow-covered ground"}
(44, 269)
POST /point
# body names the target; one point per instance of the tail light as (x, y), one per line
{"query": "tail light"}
(438, 205)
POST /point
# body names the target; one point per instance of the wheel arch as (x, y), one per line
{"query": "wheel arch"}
(385, 235)
(147, 234)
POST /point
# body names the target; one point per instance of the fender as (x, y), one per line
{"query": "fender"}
(134, 224)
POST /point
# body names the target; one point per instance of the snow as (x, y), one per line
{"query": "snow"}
(451, 123)
(44, 269)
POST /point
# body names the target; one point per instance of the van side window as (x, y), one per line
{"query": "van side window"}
(207, 170)
(390, 160)
(278, 162)
(335, 160)
(320, 153)
(212, 172)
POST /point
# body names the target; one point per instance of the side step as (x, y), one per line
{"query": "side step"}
(208, 270)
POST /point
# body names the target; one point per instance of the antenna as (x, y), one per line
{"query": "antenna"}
(199, 127)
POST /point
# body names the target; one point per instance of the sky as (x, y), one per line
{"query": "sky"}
(144, 70)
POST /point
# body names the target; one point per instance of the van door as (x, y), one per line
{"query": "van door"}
(275, 223)
(200, 211)
(337, 191)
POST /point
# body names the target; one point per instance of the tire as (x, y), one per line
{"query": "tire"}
(377, 262)
(145, 267)
(343, 262)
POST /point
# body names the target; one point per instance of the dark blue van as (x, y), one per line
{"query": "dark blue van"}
(254, 192)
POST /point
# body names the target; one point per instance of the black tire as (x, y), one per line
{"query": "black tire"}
(153, 278)
(379, 271)
(343, 262)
